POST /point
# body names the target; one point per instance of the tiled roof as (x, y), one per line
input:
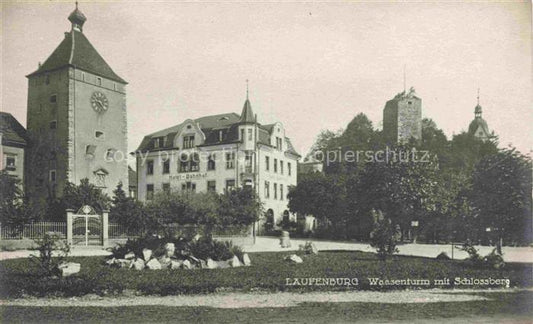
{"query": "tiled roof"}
(247, 115)
(75, 50)
(13, 133)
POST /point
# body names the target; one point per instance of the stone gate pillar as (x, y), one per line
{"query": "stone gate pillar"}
(70, 213)
(105, 227)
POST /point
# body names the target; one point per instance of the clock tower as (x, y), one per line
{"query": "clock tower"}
(76, 119)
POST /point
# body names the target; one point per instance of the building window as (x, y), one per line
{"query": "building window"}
(267, 163)
(248, 159)
(188, 186)
(53, 98)
(230, 160)
(166, 166)
(267, 189)
(281, 166)
(149, 191)
(230, 185)
(98, 81)
(212, 186)
(11, 163)
(211, 164)
(275, 191)
(159, 142)
(189, 163)
(99, 135)
(220, 136)
(52, 176)
(110, 155)
(242, 135)
(289, 168)
(115, 86)
(280, 191)
(188, 141)
(275, 165)
(82, 76)
(279, 143)
(53, 124)
(90, 150)
(150, 168)
(249, 134)
(100, 178)
(166, 187)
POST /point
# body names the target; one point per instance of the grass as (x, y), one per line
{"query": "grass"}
(269, 272)
(502, 307)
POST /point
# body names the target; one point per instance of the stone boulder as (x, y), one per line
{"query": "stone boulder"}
(165, 262)
(123, 263)
(175, 264)
(138, 264)
(69, 268)
(246, 260)
(153, 264)
(111, 262)
(147, 254)
(210, 264)
(129, 256)
(186, 265)
(223, 264)
(294, 258)
(234, 262)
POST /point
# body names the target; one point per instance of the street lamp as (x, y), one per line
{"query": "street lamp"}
(415, 225)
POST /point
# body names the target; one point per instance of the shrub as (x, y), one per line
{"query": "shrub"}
(494, 260)
(473, 256)
(383, 237)
(206, 247)
(46, 245)
(443, 256)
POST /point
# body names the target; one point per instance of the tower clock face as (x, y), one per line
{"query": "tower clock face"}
(99, 102)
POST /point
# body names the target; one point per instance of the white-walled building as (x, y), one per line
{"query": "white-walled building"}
(218, 153)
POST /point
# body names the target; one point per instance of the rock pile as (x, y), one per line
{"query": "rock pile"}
(169, 261)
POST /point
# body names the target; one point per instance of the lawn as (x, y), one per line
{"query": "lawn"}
(502, 307)
(269, 272)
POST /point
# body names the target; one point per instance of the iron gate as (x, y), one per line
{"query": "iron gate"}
(87, 227)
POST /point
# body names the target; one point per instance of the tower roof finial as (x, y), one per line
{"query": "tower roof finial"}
(246, 89)
(77, 18)
(478, 96)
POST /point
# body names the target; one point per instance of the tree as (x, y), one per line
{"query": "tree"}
(318, 195)
(127, 211)
(240, 207)
(76, 196)
(501, 195)
(15, 208)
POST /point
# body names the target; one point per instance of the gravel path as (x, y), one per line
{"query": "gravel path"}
(257, 300)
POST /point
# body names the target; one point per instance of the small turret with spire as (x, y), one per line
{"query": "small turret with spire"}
(247, 115)
(479, 127)
(77, 18)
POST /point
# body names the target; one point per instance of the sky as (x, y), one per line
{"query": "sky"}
(311, 65)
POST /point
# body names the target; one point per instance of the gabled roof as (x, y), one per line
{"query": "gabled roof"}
(13, 133)
(75, 50)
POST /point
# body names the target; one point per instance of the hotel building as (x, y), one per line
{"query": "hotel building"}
(221, 152)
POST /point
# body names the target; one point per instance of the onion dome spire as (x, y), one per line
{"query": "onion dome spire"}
(77, 18)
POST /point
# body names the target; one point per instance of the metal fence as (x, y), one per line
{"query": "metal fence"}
(32, 231)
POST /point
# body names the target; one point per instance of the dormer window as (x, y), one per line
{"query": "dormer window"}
(53, 98)
(188, 141)
(220, 136)
(98, 81)
(99, 135)
(159, 142)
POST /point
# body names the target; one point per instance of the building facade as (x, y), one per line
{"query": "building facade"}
(221, 152)
(402, 118)
(13, 140)
(76, 119)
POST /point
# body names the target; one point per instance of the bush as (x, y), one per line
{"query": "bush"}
(473, 256)
(443, 256)
(383, 237)
(206, 247)
(494, 260)
(46, 245)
